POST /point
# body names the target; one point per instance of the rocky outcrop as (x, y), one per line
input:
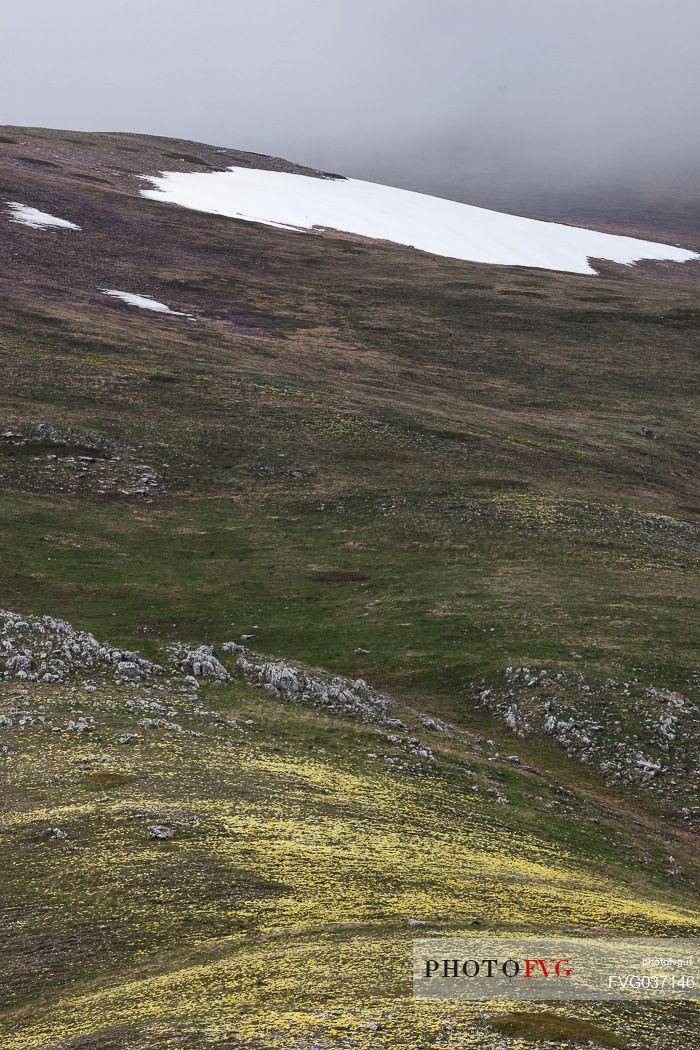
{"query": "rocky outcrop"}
(44, 649)
(633, 733)
(337, 695)
(201, 663)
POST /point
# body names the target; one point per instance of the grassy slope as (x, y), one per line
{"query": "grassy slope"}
(358, 447)
(279, 910)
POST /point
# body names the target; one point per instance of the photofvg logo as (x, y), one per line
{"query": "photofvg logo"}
(510, 968)
(502, 966)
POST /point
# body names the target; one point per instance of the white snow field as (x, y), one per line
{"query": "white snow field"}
(35, 219)
(430, 224)
(144, 302)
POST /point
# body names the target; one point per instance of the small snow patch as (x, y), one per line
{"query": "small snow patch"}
(144, 302)
(35, 219)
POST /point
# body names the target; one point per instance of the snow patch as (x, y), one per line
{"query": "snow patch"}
(35, 219)
(144, 302)
(430, 224)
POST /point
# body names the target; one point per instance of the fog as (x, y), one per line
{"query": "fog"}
(437, 95)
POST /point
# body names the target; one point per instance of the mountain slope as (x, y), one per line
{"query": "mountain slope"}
(473, 486)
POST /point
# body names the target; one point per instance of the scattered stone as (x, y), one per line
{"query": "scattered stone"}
(232, 647)
(82, 725)
(71, 462)
(434, 724)
(161, 723)
(160, 831)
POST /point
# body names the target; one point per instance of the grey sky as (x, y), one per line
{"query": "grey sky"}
(418, 92)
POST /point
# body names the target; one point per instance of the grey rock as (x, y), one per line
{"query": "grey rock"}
(128, 669)
(160, 831)
(201, 663)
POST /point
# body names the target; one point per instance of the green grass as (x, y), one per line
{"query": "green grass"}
(436, 603)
